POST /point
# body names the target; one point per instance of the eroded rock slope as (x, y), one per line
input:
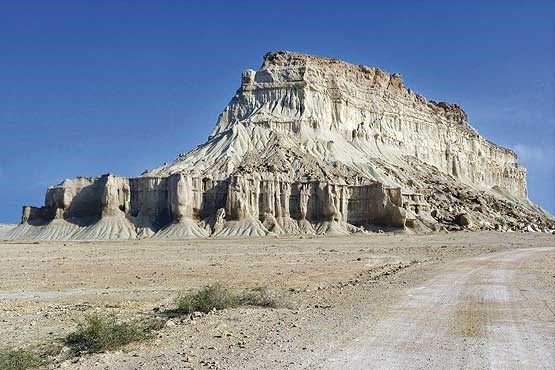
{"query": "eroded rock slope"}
(307, 145)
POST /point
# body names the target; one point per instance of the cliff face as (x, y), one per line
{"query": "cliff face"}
(349, 113)
(307, 145)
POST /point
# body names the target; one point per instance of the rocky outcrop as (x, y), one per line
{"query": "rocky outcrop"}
(349, 113)
(184, 206)
(307, 145)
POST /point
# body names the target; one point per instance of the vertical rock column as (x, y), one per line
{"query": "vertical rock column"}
(180, 197)
(284, 199)
(268, 190)
(26, 214)
(183, 197)
(304, 195)
(329, 209)
(239, 203)
(116, 196)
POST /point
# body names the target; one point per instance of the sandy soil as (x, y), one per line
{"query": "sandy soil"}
(457, 300)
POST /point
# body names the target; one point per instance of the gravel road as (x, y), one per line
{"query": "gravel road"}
(476, 313)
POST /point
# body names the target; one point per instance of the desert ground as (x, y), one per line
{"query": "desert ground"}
(381, 301)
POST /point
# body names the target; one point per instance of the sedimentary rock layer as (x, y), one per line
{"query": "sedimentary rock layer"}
(349, 113)
(182, 206)
(307, 145)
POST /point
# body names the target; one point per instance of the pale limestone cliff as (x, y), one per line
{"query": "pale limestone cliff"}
(348, 113)
(307, 145)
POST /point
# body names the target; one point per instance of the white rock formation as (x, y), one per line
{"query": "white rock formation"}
(306, 145)
(4, 229)
(348, 113)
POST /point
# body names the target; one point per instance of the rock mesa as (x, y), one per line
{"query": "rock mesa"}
(308, 145)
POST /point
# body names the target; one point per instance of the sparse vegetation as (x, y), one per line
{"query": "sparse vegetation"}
(214, 296)
(19, 359)
(260, 296)
(100, 333)
(218, 297)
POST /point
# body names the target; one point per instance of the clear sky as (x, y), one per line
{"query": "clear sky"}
(91, 87)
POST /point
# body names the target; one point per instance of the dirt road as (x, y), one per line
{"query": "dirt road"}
(476, 313)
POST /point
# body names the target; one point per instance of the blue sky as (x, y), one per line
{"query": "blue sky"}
(90, 87)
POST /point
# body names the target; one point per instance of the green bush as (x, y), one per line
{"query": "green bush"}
(218, 297)
(260, 296)
(19, 359)
(214, 296)
(100, 333)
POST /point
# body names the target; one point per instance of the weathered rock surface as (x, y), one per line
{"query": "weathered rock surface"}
(307, 145)
(4, 229)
